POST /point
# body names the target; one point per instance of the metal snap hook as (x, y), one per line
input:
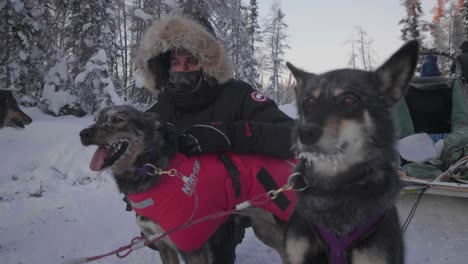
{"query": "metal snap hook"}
(291, 178)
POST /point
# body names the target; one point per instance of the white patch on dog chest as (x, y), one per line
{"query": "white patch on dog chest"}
(296, 249)
(367, 257)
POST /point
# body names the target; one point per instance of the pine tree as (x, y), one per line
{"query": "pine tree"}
(142, 14)
(254, 38)
(91, 41)
(440, 31)
(275, 41)
(58, 96)
(23, 48)
(463, 7)
(412, 24)
(456, 32)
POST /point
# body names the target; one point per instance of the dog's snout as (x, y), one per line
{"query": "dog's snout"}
(309, 134)
(27, 120)
(86, 135)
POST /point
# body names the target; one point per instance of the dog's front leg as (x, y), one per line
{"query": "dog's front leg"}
(167, 254)
(271, 235)
(167, 249)
(303, 245)
(200, 256)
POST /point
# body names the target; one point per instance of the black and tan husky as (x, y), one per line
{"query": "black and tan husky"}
(10, 113)
(345, 139)
(132, 144)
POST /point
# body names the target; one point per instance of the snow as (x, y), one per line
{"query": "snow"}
(139, 79)
(23, 38)
(57, 76)
(57, 99)
(79, 213)
(53, 208)
(17, 5)
(86, 26)
(141, 14)
(23, 55)
(290, 109)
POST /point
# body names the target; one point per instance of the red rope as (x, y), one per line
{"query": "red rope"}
(255, 201)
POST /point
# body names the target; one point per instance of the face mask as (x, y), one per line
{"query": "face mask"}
(184, 82)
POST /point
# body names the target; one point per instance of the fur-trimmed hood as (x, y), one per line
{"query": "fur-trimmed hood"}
(179, 32)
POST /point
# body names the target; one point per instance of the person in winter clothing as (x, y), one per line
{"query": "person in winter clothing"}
(181, 59)
(429, 67)
(463, 60)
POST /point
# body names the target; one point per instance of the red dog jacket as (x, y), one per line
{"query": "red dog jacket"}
(203, 187)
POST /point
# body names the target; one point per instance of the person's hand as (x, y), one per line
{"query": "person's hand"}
(204, 138)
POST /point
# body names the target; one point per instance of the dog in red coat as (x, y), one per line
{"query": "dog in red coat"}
(187, 197)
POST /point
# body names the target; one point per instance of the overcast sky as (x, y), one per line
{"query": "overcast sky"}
(319, 29)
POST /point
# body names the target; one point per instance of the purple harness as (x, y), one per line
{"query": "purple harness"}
(337, 246)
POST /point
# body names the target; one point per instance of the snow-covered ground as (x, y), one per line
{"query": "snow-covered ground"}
(53, 208)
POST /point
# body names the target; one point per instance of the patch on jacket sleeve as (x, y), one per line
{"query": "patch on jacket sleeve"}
(258, 97)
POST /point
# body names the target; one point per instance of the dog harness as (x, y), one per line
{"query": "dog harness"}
(203, 187)
(337, 246)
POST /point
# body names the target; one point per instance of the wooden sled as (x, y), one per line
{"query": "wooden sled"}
(448, 183)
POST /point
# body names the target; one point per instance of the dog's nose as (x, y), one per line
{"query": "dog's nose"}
(309, 134)
(27, 120)
(86, 135)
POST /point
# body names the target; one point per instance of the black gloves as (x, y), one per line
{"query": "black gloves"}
(203, 138)
(242, 137)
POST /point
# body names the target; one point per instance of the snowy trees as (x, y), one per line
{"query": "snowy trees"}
(23, 47)
(456, 34)
(73, 55)
(275, 42)
(90, 39)
(412, 24)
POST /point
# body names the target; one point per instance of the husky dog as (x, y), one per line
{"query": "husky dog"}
(135, 145)
(10, 113)
(345, 140)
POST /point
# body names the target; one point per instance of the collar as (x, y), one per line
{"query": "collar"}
(338, 245)
(151, 170)
(147, 169)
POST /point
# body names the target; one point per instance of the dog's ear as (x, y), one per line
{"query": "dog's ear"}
(300, 76)
(397, 71)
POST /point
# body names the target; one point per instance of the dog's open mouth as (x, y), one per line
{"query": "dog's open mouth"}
(336, 156)
(108, 154)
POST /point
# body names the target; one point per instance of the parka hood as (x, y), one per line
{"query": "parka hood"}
(178, 32)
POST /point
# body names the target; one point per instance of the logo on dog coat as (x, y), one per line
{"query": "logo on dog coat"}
(190, 182)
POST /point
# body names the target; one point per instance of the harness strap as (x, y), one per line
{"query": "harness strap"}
(139, 172)
(233, 172)
(269, 184)
(337, 246)
(128, 206)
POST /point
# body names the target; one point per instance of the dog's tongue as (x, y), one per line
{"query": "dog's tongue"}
(98, 158)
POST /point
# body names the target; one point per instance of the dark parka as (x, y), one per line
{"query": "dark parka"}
(256, 124)
(463, 60)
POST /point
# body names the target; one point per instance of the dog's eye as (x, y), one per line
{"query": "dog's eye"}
(348, 101)
(117, 120)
